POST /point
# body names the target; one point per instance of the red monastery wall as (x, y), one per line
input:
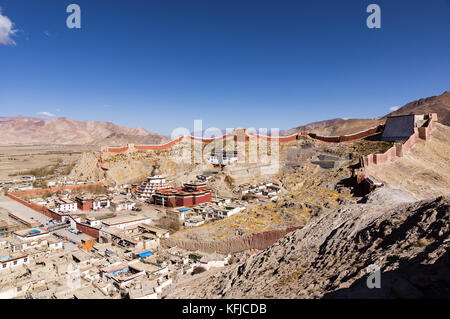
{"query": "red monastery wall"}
(117, 149)
(159, 147)
(88, 230)
(38, 208)
(347, 138)
(281, 139)
(398, 150)
(91, 231)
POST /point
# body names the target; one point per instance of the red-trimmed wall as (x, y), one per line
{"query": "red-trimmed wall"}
(91, 231)
(88, 230)
(280, 139)
(347, 138)
(159, 147)
(202, 199)
(396, 151)
(38, 208)
(185, 200)
(117, 149)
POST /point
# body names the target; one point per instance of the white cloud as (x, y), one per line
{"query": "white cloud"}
(393, 108)
(6, 30)
(46, 114)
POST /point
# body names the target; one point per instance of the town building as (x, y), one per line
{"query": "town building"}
(145, 289)
(33, 238)
(154, 230)
(194, 222)
(124, 205)
(65, 205)
(178, 214)
(8, 261)
(125, 221)
(31, 233)
(131, 237)
(189, 195)
(209, 260)
(28, 178)
(94, 222)
(121, 274)
(86, 203)
(223, 157)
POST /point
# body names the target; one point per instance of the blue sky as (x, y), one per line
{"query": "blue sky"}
(163, 64)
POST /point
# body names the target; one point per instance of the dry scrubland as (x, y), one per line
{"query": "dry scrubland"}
(15, 160)
(308, 191)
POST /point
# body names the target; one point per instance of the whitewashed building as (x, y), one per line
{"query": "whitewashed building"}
(223, 157)
(65, 205)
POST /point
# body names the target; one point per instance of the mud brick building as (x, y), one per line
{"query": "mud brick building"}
(188, 195)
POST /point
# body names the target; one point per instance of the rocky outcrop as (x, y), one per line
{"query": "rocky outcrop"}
(330, 257)
(87, 168)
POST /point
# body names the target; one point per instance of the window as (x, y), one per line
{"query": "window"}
(25, 259)
(15, 262)
(4, 265)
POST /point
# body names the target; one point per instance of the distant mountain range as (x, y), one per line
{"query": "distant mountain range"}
(22, 130)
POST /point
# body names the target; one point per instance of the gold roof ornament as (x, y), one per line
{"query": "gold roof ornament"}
(156, 170)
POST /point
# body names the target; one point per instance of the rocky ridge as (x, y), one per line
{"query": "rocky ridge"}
(330, 256)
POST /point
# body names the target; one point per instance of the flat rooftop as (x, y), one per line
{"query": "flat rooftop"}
(23, 218)
(31, 232)
(123, 219)
(154, 229)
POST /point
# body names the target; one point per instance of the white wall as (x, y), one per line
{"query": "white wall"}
(10, 264)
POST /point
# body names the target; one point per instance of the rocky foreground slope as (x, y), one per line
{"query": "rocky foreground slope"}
(329, 257)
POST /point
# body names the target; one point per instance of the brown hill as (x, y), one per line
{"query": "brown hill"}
(337, 126)
(329, 258)
(22, 130)
(434, 104)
